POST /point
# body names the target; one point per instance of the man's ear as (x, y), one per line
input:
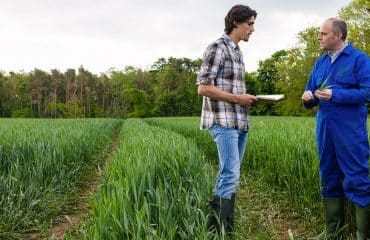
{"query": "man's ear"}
(339, 35)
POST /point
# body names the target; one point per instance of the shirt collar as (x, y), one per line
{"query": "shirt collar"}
(335, 55)
(230, 42)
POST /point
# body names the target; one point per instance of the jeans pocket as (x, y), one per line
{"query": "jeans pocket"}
(214, 130)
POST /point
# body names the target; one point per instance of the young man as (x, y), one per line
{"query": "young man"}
(225, 108)
(340, 85)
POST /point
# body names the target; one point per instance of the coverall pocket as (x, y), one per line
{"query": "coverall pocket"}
(347, 80)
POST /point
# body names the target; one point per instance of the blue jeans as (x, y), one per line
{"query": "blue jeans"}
(231, 144)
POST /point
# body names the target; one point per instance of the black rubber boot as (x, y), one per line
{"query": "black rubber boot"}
(222, 215)
(362, 222)
(334, 211)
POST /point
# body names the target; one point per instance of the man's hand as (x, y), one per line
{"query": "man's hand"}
(247, 100)
(307, 96)
(324, 94)
(215, 93)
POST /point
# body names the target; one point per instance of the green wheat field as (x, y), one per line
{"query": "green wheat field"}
(159, 180)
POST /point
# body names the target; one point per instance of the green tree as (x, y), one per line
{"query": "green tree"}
(357, 16)
(294, 70)
(174, 87)
(266, 81)
(138, 101)
(57, 93)
(21, 83)
(7, 95)
(39, 90)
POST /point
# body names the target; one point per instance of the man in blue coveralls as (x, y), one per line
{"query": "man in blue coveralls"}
(340, 85)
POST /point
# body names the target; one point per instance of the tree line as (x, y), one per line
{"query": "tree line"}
(168, 87)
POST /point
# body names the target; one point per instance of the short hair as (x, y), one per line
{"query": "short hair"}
(238, 14)
(340, 26)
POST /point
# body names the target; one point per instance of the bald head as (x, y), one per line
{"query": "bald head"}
(338, 26)
(333, 33)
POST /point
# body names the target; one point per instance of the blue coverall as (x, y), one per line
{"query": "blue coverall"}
(341, 131)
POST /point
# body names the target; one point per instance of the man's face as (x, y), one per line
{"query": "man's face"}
(327, 38)
(245, 29)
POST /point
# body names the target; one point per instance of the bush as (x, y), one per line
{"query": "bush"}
(23, 113)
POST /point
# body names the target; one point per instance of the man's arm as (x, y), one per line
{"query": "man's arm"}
(213, 59)
(356, 96)
(345, 96)
(215, 93)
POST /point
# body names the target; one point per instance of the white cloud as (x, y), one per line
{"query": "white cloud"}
(100, 34)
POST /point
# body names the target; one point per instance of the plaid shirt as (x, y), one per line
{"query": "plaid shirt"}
(223, 67)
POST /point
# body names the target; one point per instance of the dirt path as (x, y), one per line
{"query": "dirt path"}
(79, 209)
(261, 215)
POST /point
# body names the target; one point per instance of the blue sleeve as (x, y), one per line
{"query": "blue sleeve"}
(362, 93)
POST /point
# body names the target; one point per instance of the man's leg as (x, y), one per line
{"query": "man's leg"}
(228, 179)
(353, 160)
(331, 180)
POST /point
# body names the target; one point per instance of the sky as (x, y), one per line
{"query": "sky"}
(104, 34)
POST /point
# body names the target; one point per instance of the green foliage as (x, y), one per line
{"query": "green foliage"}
(175, 91)
(73, 110)
(98, 112)
(266, 82)
(294, 70)
(251, 83)
(291, 170)
(177, 104)
(58, 110)
(41, 164)
(152, 189)
(165, 105)
(23, 113)
(138, 101)
(267, 74)
(357, 16)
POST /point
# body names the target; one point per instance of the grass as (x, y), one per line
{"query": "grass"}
(156, 187)
(41, 163)
(280, 154)
(160, 179)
